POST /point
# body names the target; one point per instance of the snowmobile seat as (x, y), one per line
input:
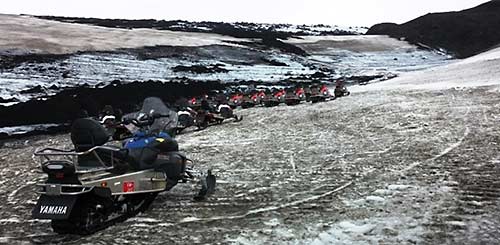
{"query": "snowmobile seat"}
(87, 133)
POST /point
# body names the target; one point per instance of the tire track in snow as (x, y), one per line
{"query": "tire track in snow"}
(265, 209)
(445, 151)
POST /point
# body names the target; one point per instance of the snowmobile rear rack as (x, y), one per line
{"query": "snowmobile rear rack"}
(71, 157)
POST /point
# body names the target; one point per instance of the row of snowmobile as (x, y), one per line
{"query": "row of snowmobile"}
(289, 96)
(205, 115)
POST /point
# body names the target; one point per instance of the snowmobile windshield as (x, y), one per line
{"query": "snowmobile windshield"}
(154, 105)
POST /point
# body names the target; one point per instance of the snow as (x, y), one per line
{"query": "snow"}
(480, 70)
(24, 129)
(374, 199)
(399, 223)
(456, 223)
(357, 43)
(398, 187)
(318, 30)
(10, 220)
(25, 33)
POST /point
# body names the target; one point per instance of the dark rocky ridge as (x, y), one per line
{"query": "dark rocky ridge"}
(464, 33)
(238, 30)
(68, 104)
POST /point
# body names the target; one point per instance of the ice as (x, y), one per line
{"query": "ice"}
(24, 129)
(382, 192)
(375, 199)
(398, 187)
(143, 219)
(10, 220)
(456, 223)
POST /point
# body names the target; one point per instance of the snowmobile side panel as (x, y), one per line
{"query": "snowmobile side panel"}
(132, 183)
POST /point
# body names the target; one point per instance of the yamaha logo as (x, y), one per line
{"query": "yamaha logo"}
(53, 209)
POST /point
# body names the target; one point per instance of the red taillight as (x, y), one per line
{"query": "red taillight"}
(60, 175)
(128, 186)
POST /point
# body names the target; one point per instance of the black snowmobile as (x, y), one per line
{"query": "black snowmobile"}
(186, 118)
(225, 111)
(111, 121)
(97, 184)
(211, 115)
(341, 91)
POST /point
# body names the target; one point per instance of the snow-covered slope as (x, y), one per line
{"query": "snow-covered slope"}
(26, 34)
(141, 54)
(479, 70)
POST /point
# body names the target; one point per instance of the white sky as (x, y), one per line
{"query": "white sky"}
(346, 12)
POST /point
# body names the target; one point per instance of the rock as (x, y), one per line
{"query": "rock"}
(35, 90)
(273, 62)
(199, 69)
(10, 100)
(66, 74)
(319, 74)
(478, 30)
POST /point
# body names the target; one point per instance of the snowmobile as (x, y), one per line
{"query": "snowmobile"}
(111, 121)
(341, 91)
(320, 94)
(194, 103)
(206, 118)
(275, 98)
(294, 96)
(226, 112)
(235, 100)
(252, 99)
(98, 184)
(185, 119)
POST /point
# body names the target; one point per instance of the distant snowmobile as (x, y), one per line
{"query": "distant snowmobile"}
(206, 118)
(186, 119)
(294, 96)
(111, 121)
(97, 184)
(227, 112)
(250, 100)
(341, 90)
(275, 98)
(317, 95)
(320, 94)
(235, 100)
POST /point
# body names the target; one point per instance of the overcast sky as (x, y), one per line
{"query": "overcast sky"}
(340, 12)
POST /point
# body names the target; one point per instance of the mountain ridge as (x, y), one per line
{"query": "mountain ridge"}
(463, 33)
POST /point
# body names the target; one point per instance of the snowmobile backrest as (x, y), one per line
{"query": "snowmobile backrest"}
(87, 133)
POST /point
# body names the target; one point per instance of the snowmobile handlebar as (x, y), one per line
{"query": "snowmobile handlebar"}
(145, 120)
